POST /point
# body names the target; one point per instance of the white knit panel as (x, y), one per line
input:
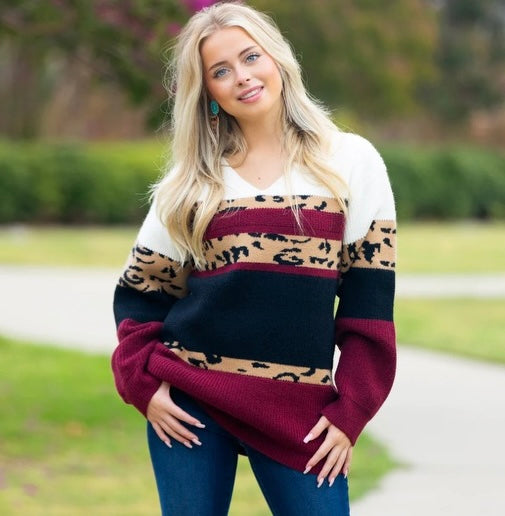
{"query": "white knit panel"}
(356, 160)
(370, 194)
(154, 235)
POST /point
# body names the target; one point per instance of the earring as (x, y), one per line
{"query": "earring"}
(214, 118)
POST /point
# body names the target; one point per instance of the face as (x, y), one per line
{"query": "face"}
(240, 76)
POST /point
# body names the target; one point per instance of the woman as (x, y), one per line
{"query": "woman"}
(228, 338)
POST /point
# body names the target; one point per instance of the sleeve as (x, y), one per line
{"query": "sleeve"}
(364, 371)
(151, 282)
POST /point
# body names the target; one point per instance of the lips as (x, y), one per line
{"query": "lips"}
(250, 92)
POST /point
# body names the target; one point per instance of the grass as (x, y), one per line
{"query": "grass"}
(423, 248)
(69, 445)
(458, 247)
(469, 327)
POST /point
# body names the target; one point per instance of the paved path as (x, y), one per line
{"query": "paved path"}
(445, 416)
(73, 306)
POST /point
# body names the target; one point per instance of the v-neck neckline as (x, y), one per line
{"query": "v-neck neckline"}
(247, 183)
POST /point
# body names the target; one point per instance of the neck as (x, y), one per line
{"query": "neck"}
(262, 133)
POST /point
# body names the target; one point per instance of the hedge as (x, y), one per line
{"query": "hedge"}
(107, 184)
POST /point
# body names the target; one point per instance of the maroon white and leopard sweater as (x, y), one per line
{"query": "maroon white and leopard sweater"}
(255, 337)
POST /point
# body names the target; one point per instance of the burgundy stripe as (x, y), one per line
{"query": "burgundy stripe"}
(239, 404)
(269, 267)
(276, 220)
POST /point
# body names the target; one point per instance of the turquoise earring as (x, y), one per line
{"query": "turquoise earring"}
(214, 118)
(214, 108)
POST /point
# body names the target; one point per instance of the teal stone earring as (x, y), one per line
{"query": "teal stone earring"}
(214, 108)
(214, 118)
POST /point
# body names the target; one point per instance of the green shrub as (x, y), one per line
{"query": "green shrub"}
(446, 183)
(107, 183)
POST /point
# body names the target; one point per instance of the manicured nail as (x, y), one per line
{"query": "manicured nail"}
(331, 481)
(196, 441)
(308, 438)
(320, 482)
(307, 469)
(168, 444)
(200, 425)
(187, 444)
(345, 473)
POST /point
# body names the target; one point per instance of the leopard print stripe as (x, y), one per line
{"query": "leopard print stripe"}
(149, 271)
(272, 248)
(377, 250)
(262, 369)
(309, 202)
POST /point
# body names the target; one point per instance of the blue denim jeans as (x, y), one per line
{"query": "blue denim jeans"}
(199, 481)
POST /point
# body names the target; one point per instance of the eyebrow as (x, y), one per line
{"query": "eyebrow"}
(224, 62)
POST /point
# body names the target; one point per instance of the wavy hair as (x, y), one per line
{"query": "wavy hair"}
(197, 151)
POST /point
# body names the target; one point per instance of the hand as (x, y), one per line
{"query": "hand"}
(164, 414)
(336, 448)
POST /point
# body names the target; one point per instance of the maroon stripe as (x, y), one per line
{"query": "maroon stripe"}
(269, 267)
(277, 220)
(273, 416)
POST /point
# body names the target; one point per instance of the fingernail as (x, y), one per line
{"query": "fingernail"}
(331, 481)
(199, 425)
(168, 444)
(345, 473)
(308, 438)
(307, 469)
(320, 482)
(187, 444)
(196, 441)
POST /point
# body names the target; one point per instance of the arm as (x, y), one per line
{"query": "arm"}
(364, 329)
(151, 282)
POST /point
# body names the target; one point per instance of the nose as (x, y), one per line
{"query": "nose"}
(243, 75)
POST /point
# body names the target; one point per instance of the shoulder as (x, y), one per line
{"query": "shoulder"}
(370, 195)
(356, 158)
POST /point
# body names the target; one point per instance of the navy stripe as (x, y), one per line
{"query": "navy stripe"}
(367, 294)
(130, 303)
(257, 315)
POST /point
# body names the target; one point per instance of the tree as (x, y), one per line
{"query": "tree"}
(471, 58)
(123, 41)
(368, 56)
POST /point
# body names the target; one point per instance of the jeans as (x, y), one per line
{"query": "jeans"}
(199, 481)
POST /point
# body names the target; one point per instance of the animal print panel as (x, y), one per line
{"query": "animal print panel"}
(272, 248)
(308, 202)
(376, 250)
(149, 271)
(285, 372)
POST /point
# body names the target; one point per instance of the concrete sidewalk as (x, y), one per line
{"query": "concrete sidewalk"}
(73, 306)
(445, 416)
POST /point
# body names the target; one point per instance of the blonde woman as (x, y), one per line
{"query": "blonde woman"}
(228, 338)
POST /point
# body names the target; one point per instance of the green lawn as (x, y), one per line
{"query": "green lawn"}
(468, 327)
(422, 248)
(456, 247)
(69, 445)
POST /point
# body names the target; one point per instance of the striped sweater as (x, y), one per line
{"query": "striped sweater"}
(255, 338)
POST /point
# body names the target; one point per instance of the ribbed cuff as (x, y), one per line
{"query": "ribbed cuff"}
(142, 390)
(347, 416)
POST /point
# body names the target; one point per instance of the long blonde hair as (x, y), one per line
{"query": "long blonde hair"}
(197, 153)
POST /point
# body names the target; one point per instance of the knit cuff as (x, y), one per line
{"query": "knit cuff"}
(347, 416)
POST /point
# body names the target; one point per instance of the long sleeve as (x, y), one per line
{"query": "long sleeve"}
(150, 284)
(365, 369)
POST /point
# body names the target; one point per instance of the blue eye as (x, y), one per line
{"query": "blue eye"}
(252, 55)
(218, 73)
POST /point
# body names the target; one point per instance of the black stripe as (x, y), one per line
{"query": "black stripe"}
(266, 316)
(130, 303)
(367, 294)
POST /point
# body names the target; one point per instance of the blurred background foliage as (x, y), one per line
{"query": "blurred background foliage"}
(430, 69)
(79, 75)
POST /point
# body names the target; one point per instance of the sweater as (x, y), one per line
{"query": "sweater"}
(255, 338)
